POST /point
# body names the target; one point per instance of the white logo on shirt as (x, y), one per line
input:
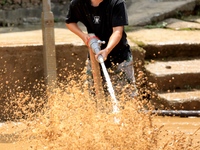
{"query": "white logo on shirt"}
(96, 19)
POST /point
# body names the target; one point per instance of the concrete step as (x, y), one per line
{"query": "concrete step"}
(172, 50)
(182, 100)
(174, 75)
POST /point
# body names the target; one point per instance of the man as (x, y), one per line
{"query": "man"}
(105, 19)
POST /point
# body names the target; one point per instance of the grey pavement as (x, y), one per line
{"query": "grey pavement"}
(142, 12)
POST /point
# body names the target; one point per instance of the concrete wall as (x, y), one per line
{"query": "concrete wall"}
(22, 71)
(24, 64)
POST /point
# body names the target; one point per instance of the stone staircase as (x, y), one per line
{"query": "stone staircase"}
(175, 68)
(172, 61)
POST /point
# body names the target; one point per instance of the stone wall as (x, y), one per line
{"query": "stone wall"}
(17, 12)
(14, 4)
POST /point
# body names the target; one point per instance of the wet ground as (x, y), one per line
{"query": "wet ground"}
(171, 126)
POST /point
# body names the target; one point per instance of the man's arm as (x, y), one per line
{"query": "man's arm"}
(76, 30)
(113, 41)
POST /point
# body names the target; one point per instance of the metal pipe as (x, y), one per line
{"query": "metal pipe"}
(95, 44)
(181, 113)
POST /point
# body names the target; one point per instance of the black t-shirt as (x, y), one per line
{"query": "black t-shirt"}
(100, 20)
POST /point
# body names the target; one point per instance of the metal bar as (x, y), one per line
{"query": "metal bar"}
(181, 113)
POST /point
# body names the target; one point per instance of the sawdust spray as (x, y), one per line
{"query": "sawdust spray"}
(67, 118)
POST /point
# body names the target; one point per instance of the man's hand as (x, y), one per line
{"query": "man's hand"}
(104, 53)
(85, 37)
